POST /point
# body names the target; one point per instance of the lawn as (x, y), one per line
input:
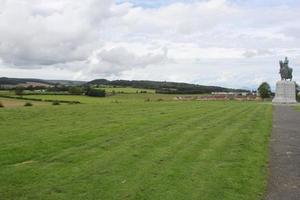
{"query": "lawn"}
(117, 148)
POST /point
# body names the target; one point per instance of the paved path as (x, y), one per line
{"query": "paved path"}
(284, 179)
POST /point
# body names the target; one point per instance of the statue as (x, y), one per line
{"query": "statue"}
(285, 90)
(285, 71)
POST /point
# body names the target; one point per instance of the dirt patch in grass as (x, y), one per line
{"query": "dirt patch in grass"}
(12, 103)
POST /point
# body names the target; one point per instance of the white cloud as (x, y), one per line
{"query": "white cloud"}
(214, 42)
(119, 59)
(49, 33)
(258, 52)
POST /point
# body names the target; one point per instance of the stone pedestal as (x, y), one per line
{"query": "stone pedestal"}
(285, 92)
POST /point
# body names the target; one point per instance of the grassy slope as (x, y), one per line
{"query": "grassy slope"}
(128, 90)
(135, 150)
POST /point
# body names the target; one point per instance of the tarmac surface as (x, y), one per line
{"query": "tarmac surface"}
(284, 166)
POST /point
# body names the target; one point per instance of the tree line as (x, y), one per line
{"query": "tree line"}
(165, 87)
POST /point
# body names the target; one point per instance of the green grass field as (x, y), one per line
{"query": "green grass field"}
(127, 90)
(123, 147)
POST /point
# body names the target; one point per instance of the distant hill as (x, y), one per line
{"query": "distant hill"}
(166, 87)
(159, 86)
(67, 82)
(16, 81)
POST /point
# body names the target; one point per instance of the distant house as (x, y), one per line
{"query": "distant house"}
(239, 96)
(231, 93)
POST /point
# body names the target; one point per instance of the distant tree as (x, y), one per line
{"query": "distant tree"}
(19, 91)
(297, 88)
(58, 88)
(264, 90)
(297, 92)
(75, 90)
(95, 92)
(30, 87)
(165, 87)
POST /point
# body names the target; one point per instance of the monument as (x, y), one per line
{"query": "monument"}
(286, 88)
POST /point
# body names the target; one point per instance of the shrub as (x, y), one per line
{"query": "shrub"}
(1, 105)
(28, 104)
(70, 102)
(19, 97)
(95, 92)
(55, 103)
(62, 101)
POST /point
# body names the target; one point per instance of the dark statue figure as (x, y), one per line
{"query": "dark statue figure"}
(285, 71)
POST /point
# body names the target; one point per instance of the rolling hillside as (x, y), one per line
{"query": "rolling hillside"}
(165, 87)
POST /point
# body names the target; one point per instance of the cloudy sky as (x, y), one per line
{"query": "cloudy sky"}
(232, 43)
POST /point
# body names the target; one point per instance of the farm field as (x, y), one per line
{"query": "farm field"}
(123, 147)
(127, 90)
